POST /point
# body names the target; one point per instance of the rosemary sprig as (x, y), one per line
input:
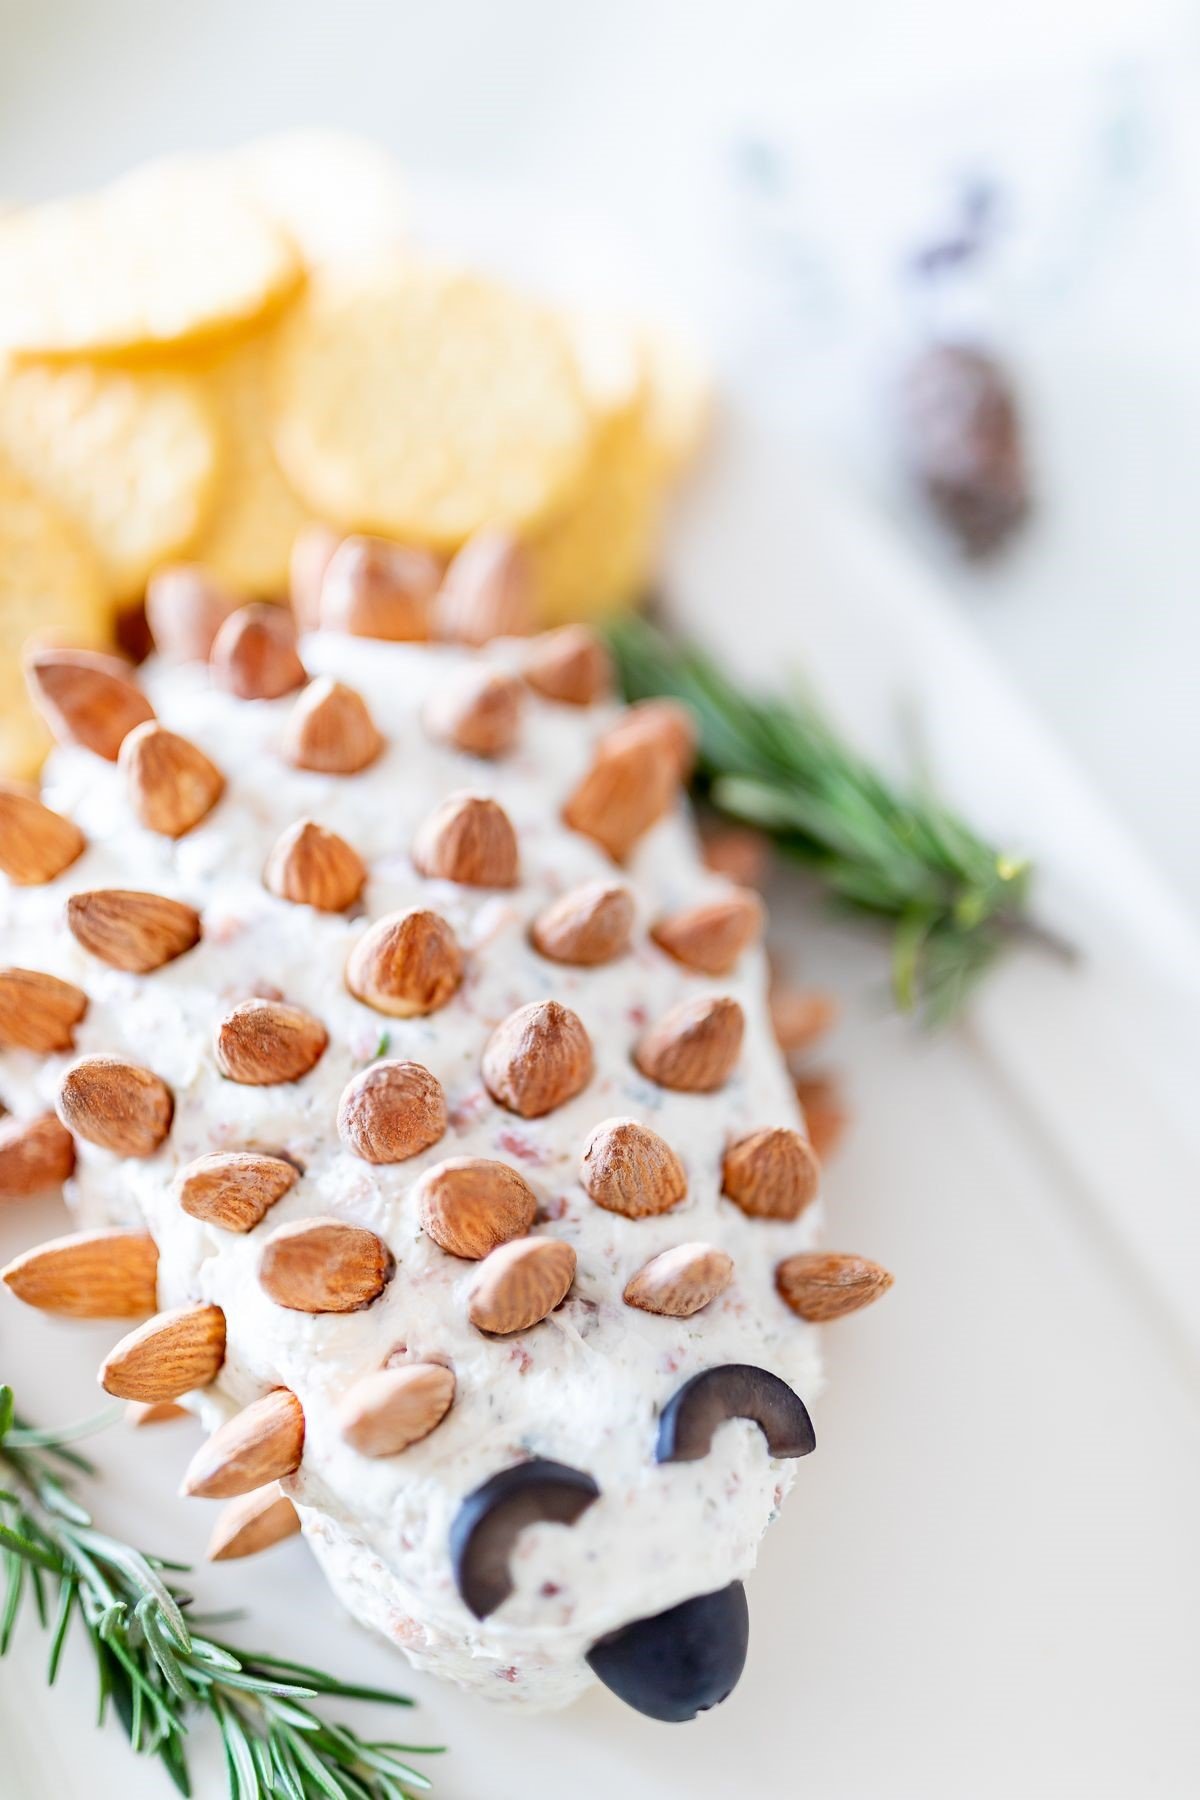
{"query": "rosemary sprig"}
(952, 900)
(153, 1667)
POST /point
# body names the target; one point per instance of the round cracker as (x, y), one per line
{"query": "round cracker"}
(338, 197)
(425, 404)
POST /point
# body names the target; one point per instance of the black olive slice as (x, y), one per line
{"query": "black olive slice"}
(733, 1391)
(493, 1516)
(679, 1662)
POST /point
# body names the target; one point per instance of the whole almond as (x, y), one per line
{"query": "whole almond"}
(37, 1011)
(739, 853)
(826, 1115)
(312, 866)
(391, 1111)
(35, 843)
(262, 1043)
(185, 608)
(35, 1155)
(771, 1174)
(376, 589)
(233, 1188)
(570, 665)
(86, 698)
(330, 730)
(88, 1275)
(153, 1412)
(477, 710)
(384, 1413)
(486, 592)
(711, 937)
(799, 1016)
(520, 1283)
(172, 784)
(324, 1266)
(628, 1169)
(408, 964)
(131, 930)
(254, 654)
(538, 1058)
(694, 1047)
(252, 1523)
(662, 725)
(624, 793)
(169, 1355)
(589, 926)
(468, 1205)
(312, 548)
(680, 1281)
(262, 1443)
(822, 1284)
(116, 1104)
(469, 839)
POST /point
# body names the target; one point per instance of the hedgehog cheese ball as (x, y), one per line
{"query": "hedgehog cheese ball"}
(413, 1086)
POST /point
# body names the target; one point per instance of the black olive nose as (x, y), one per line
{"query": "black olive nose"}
(679, 1662)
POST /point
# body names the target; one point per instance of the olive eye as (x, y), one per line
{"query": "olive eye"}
(679, 1662)
(733, 1391)
(493, 1516)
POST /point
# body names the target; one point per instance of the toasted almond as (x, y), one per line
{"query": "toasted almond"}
(391, 1111)
(254, 654)
(486, 591)
(590, 925)
(262, 1043)
(312, 866)
(233, 1188)
(739, 853)
(468, 839)
(185, 609)
(376, 589)
(468, 1205)
(823, 1284)
(771, 1174)
(694, 1047)
(627, 1168)
(35, 1155)
(262, 1443)
(37, 1011)
(570, 665)
(680, 1281)
(312, 548)
(88, 1275)
(712, 936)
(624, 793)
(169, 1355)
(324, 1266)
(330, 730)
(406, 965)
(130, 930)
(662, 725)
(520, 1283)
(153, 1412)
(826, 1115)
(86, 698)
(384, 1413)
(116, 1104)
(477, 710)
(799, 1016)
(172, 784)
(251, 1523)
(538, 1058)
(35, 843)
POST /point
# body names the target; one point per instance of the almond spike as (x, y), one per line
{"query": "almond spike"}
(624, 793)
(570, 665)
(771, 1174)
(38, 1012)
(130, 930)
(88, 1275)
(739, 853)
(330, 730)
(263, 1043)
(681, 1281)
(86, 698)
(694, 1047)
(825, 1113)
(711, 937)
(391, 1111)
(254, 654)
(486, 591)
(469, 1205)
(666, 726)
(251, 1523)
(116, 1104)
(35, 843)
(172, 784)
(167, 1356)
(312, 549)
(520, 1283)
(35, 1155)
(468, 839)
(799, 1016)
(262, 1443)
(538, 1058)
(386, 1412)
(325, 1266)
(821, 1284)
(185, 608)
(627, 1168)
(153, 1412)
(408, 964)
(312, 866)
(233, 1188)
(589, 926)
(478, 711)
(376, 589)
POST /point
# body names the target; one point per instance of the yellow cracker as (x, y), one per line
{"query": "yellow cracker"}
(426, 404)
(337, 196)
(679, 399)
